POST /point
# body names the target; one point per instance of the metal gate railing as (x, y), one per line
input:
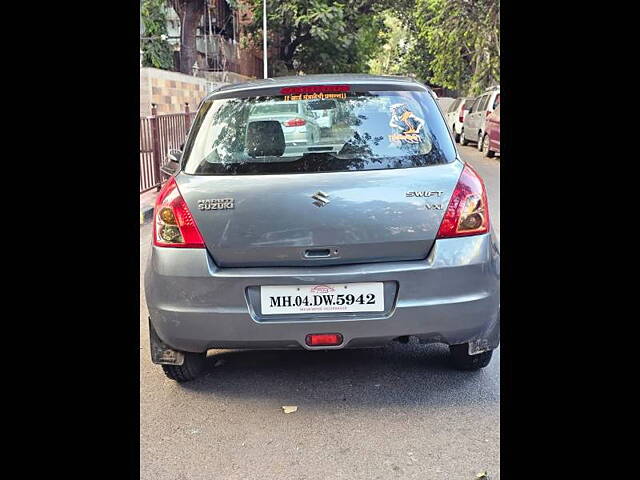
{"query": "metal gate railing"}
(159, 134)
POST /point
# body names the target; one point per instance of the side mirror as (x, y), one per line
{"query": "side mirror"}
(172, 163)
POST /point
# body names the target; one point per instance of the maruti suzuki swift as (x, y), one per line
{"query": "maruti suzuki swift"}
(376, 231)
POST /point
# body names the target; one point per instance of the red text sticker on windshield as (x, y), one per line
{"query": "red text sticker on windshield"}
(315, 92)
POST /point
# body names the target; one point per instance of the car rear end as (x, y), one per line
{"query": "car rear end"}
(296, 124)
(385, 238)
(325, 111)
(462, 110)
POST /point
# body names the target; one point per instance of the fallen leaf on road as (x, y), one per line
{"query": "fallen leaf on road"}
(289, 408)
(482, 476)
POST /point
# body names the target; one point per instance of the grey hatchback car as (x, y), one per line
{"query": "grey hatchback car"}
(376, 232)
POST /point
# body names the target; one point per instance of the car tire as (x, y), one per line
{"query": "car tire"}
(485, 147)
(463, 361)
(456, 136)
(193, 366)
(463, 141)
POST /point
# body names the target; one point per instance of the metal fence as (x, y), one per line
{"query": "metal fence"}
(158, 134)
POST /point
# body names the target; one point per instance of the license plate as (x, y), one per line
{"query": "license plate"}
(323, 298)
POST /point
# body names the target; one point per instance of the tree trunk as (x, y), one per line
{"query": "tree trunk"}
(189, 12)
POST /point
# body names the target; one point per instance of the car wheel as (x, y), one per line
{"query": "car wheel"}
(193, 366)
(463, 141)
(463, 361)
(456, 136)
(485, 147)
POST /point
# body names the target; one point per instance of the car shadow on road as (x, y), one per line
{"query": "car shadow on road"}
(393, 375)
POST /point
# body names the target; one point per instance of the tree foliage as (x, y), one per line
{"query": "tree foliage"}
(462, 40)
(320, 36)
(391, 47)
(156, 51)
(190, 12)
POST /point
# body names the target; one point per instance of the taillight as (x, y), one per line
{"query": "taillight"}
(295, 122)
(461, 116)
(468, 212)
(173, 224)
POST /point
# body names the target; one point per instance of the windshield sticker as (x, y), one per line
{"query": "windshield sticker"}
(405, 124)
(314, 96)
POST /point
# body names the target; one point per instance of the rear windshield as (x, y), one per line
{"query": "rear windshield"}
(366, 131)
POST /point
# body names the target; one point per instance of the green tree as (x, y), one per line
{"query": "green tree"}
(392, 43)
(462, 38)
(190, 13)
(156, 51)
(320, 36)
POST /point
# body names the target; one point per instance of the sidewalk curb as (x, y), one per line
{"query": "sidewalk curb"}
(145, 215)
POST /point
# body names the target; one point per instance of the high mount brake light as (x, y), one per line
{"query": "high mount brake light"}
(315, 89)
(468, 211)
(173, 224)
(295, 122)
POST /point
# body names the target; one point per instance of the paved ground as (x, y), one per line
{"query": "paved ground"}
(395, 412)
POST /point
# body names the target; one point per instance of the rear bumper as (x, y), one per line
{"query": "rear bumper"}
(452, 296)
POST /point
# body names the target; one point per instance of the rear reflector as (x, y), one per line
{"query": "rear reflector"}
(323, 339)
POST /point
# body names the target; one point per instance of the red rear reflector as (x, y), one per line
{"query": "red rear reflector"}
(468, 212)
(323, 339)
(173, 224)
(295, 122)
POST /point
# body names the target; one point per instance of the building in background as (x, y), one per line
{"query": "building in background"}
(217, 41)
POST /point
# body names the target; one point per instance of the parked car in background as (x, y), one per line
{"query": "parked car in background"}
(325, 112)
(300, 126)
(491, 140)
(473, 126)
(456, 113)
(445, 103)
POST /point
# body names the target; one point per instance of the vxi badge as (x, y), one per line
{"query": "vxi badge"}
(215, 204)
(433, 193)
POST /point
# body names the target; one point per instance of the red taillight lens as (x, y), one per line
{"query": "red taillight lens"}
(323, 339)
(295, 122)
(468, 211)
(461, 116)
(173, 224)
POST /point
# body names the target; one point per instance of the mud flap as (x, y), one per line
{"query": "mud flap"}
(490, 341)
(161, 353)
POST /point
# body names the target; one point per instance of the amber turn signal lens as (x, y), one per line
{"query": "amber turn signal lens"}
(166, 215)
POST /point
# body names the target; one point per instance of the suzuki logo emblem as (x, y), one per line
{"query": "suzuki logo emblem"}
(321, 199)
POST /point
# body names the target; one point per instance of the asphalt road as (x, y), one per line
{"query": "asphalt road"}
(393, 412)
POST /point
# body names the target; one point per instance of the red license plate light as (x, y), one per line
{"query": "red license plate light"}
(323, 339)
